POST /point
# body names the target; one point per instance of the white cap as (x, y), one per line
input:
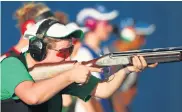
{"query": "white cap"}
(98, 13)
(57, 30)
(76, 26)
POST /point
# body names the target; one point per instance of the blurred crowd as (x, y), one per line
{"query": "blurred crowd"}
(95, 22)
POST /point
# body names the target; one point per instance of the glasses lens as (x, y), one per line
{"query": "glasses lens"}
(66, 52)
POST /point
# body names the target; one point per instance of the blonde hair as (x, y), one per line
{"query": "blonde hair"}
(50, 42)
(29, 11)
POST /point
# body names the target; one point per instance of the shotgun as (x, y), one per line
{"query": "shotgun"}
(159, 55)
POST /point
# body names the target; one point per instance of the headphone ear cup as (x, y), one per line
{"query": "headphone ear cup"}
(91, 24)
(37, 46)
(37, 49)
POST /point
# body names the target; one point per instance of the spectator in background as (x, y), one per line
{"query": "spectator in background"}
(131, 35)
(96, 20)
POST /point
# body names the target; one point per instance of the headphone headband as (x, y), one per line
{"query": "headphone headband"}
(41, 32)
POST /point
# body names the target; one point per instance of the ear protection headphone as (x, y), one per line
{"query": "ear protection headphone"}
(90, 23)
(37, 46)
(31, 22)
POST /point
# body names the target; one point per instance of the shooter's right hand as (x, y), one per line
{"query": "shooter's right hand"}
(81, 73)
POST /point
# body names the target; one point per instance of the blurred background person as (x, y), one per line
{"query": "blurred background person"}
(96, 20)
(131, 36)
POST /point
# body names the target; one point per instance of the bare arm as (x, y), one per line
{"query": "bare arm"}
(107, 88)
(39, 92)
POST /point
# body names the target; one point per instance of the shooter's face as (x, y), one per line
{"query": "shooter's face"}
(103, 30)
(61, 51)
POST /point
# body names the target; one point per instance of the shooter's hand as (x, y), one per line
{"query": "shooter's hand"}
(139, 64)
(81, 73)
